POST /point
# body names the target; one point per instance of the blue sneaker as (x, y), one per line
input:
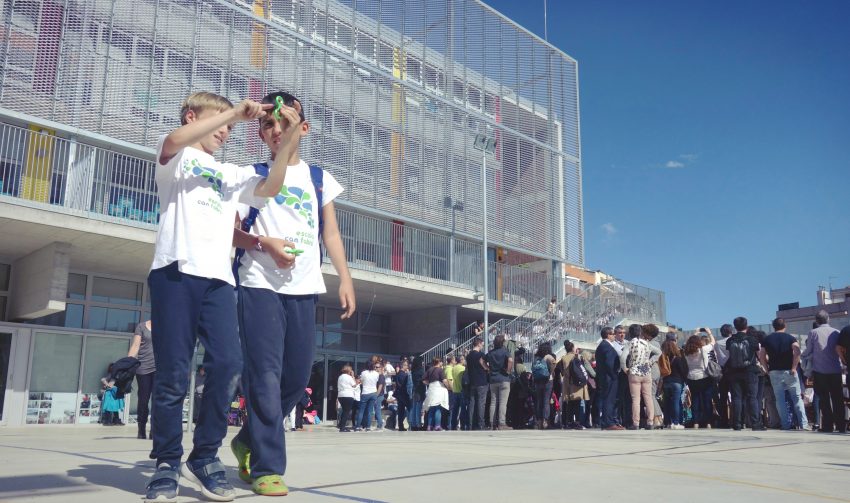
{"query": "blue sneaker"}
(163, 485)
(210, 476)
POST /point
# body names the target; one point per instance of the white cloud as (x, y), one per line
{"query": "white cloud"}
(609, 229)
(674, 164)
(689, 157)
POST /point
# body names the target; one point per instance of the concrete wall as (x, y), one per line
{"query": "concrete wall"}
(412, 332)
(40, 282)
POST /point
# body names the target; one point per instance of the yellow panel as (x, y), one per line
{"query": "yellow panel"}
(38, 170)
(258, 36)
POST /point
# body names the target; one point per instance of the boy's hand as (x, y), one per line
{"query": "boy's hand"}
(346, 299)
(275, 248)
(248, 110)
(290, 122)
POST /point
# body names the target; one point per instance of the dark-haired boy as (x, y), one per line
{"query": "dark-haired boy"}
(277, 300)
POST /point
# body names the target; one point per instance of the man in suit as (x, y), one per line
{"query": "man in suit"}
(607, 366)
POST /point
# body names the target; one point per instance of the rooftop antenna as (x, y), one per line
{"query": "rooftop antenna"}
(545, 21)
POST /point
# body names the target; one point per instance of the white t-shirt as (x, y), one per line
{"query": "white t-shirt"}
(292, 215)
(345, 386)
(197, 200)
(369, 380)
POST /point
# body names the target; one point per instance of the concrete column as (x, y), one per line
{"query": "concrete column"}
(412, 332)
(40, 282)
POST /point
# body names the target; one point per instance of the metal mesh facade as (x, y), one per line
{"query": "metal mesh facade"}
(394, 90)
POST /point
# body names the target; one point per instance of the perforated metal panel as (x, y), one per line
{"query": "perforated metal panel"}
(395, 91)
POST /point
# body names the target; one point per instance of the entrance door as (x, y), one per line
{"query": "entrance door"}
(317, 384)
(5, 367)
(335, 364)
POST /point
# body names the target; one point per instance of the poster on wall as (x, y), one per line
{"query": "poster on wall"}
(51, 408)
(89, 409)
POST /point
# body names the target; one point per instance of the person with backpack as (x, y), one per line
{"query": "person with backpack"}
(638, 367)
(541, 371)
(743, 376)
(573, 386)
(279, 280)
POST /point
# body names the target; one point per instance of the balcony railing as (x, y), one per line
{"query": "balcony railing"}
(40, 169)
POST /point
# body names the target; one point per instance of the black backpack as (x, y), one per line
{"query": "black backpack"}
(578, 374)
(740, 353)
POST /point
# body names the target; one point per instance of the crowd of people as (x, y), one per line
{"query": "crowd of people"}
(634, 379)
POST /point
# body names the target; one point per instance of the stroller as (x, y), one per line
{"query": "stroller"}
(238, 412)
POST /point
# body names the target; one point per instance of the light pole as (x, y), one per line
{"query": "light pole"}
(486, 144)
(448, 202)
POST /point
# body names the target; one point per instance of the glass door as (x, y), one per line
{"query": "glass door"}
(317, 385)
(335, 365)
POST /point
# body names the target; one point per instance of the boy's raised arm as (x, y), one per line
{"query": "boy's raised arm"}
(193, 132)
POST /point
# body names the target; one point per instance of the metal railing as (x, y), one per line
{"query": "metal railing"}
(40, 169)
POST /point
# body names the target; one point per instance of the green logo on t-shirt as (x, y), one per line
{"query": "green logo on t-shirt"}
(213, 177)
(299, 200)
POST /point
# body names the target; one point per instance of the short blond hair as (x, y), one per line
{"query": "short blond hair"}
(203, 100)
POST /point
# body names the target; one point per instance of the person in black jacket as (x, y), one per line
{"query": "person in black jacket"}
(607, 366)
(674, 384)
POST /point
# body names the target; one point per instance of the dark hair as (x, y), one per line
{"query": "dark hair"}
(288, 100)
(778, 324)
(416, 363)
(740, 323)
(694, 345)
(545, 348)
(760, 336)
(518, 358)
(477, 341)
(606, 331)
(569, 346)
(822, 318)
(498, 341)
(649, 331)
(436, 361)
(634, 331)
(726, 330)
(671, 349)
(554, 299)
(619, 327)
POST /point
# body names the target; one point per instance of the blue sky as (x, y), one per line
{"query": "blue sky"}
(715, 144)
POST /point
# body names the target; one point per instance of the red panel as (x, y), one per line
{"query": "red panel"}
(398, 245)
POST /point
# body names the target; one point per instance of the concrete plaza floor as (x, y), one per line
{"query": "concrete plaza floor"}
(98, 464)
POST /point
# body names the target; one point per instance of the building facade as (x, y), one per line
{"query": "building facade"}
(395, 92)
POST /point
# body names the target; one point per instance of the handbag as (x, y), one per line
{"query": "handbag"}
(713, 369)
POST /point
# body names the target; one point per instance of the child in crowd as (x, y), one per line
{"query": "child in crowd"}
(191, 284)
(277, 296)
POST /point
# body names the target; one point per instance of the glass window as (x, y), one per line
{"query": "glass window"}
(5, 270)
(56, 362)
(113, 320)
(77, 286)
(318, 341)
(332, 320)
(116, 291)
(338, 340)
(373, 323)
(100, 352)
(71, 317)
(2, 310)
(373, 344)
